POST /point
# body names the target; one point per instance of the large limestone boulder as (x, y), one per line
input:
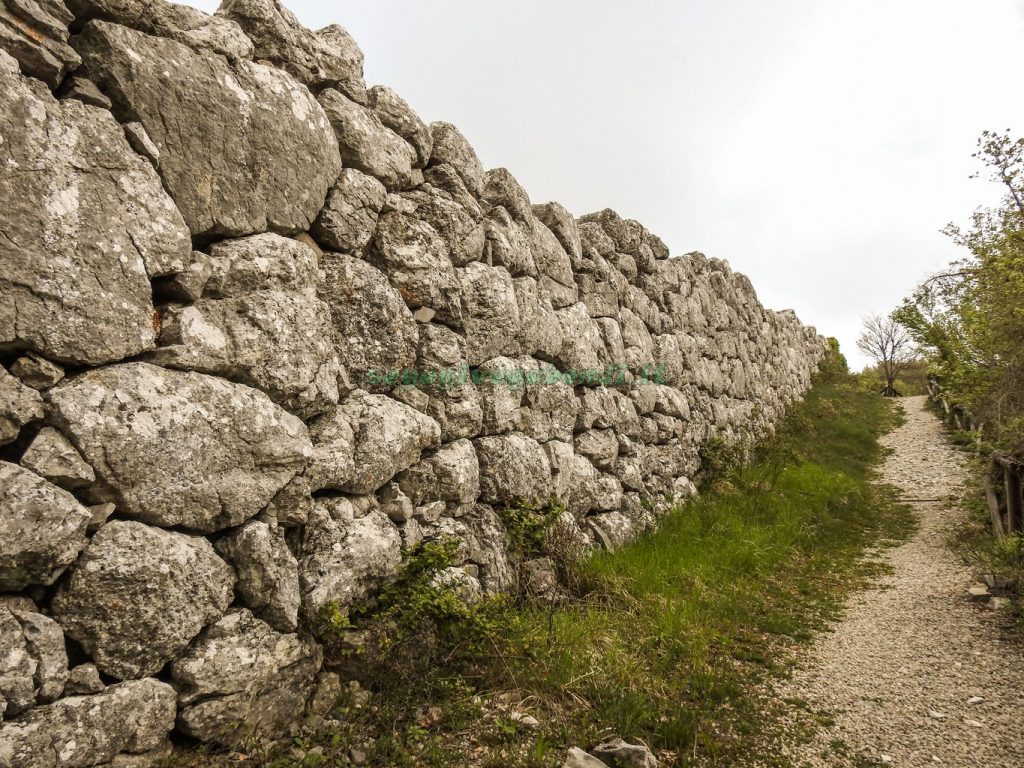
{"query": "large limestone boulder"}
(393, 111)
(180, 449)
(376, 333)
(366, 143)
(138, 595)
(19, 405)
(451, 147)
(33, 661)
(242, 679)
(42, 529)
(450, 474)
(86, 224)
(389, 437)
(51, 455)
(36, 34)
(416, 261)
(82, 731)
(268, 574)
(350, 213)
(563, 226)
(490, 314)
(176, 21)
(513, 467)
(269, 154)
(333, 462)
(483, 543)
(329, 57)
(259, 322)
(553, 266)
(343, 558)
(444, 203)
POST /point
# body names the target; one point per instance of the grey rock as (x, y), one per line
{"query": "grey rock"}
(501, 393)
(416, 261)
(389, 437)
(563, 226)
(44, 642)
(270, 152)
(88, 228)
(444, 203)
(376, 334)
(440, 349)
(539, 578)
(139, 595)
(189, 26)
(17, 668)
(500, 188)
(612, 530)
(188, 285)
(350, 213)
(241, 680)
(553, 266)
(509, 244)
(261, 323)
(99, 514)
(577, 758)
(180, 448)
(293, 503)
(268, 574)
(392, 110)
(366, 143)
(36, 34)
(84, 90)
(83, 680)
(333, 462)
(42, 529)
(395, 504)
(601, 446)
(490, 313)
(540, 330)
(552, 403)
(344, 560)
(37, 372)
(451, 147)
(483, 546)
(18, 406)
(620, 754)
(51, 455)
(450, 474)
(329, 57)
(582, 346)
(326, 695)
(458, 409)
(141, 143)
(513, 468)
(83, 731)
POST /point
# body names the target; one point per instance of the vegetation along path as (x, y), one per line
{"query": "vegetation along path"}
(915, 674)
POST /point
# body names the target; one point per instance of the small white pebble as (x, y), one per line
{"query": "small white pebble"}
(974, 723)
(936, 715)
(975, 700)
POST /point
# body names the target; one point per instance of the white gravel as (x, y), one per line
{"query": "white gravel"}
(915, 674)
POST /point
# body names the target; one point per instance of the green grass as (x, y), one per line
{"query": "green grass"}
(666, 640)
(679, 625)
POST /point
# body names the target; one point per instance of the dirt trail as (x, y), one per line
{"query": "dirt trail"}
(902, 672)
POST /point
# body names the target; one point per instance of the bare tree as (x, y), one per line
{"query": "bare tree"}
(889, 344)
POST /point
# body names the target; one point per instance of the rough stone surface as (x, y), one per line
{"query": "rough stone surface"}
(42, 529)
(388, 437)
(87, 225)
(82, 731)
(18, 406)
(490, 312)
(376, 333)
(268, 574)
(344, 559)
(138, 595)
(83, 680)
(259, 322)
(36, 371)
(416, 260)
(450, 474)
(366, 143)
(270, 154)
(36, 34)
(451, 147)
(512, 467)
(173, 448)
(242, 680)
(392, 110)
(329, 57)
(187, 25)
(51, 455)
(349, 216)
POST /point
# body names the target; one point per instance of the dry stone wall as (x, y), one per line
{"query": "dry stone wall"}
(263, 331)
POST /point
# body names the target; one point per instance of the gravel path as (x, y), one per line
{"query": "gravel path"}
(902, 673)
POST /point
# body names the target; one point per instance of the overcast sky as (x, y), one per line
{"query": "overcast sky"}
(817, 146)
